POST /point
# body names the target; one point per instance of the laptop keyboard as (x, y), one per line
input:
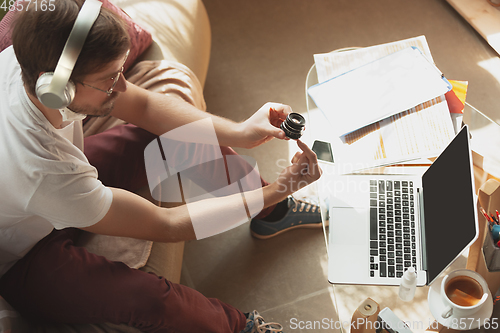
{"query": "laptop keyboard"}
(392, 228)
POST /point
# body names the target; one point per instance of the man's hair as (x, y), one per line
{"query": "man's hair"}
(39, 37)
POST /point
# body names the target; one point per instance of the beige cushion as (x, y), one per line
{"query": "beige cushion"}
(165, 258)
(180, 30)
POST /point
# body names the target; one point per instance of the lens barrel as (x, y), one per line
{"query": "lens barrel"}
(293, 125)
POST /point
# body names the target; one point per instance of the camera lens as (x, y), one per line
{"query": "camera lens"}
(293, 125)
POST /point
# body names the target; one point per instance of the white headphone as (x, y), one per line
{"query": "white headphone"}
(54, 89)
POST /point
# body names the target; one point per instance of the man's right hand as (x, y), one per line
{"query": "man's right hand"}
(303, 171)
(263, 125)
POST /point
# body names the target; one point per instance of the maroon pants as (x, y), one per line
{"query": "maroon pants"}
(59, 282)
(62, 283)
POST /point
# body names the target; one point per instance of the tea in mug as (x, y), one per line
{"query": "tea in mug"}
(464, 290)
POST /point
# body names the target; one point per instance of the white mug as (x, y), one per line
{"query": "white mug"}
(458, 303)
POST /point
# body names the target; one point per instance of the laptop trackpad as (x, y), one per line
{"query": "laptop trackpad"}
(349, 245)
(351, 191)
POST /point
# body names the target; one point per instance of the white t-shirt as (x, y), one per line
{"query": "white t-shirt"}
(46, 181)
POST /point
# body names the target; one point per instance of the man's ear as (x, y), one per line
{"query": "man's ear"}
(41, 73)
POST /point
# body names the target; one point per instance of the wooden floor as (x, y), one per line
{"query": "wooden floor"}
(484, 17)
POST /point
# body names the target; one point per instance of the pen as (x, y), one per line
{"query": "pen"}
(494, 218)
(488, 218)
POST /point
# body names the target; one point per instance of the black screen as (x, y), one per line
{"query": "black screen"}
(323, 151)
(449, 207)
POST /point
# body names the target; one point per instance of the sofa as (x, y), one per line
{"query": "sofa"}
(180, 32)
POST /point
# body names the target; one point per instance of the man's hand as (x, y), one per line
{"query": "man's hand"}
(303, 171)
(263, 125)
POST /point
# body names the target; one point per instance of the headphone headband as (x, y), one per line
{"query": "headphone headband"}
(54, 93)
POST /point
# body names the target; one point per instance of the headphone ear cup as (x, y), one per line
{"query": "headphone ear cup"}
(51, 98)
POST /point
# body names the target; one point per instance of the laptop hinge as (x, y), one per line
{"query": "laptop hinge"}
(423, 248)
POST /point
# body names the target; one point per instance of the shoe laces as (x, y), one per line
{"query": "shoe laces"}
(260, 326)
(305, 203)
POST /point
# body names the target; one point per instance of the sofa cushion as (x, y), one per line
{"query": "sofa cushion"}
(180, 29)
(140, 38)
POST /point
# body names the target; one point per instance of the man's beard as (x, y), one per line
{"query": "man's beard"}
(104, 110)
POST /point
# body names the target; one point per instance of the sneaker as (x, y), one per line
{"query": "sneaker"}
(300, 214)
(256, 324)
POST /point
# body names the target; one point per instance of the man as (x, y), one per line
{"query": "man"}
(50, 190)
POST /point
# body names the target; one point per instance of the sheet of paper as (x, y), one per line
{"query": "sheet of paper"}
(421, 132)
(486, 142)
(330, 65)
(377, 90)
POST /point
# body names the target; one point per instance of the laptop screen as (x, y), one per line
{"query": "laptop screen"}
(449, 205)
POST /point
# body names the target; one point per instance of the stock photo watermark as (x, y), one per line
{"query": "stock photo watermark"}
(20, 6)
(188, 166)
(416, 325)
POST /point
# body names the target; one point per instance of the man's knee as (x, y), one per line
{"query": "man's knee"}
(150, 304)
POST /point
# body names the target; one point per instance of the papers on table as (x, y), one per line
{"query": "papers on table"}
(420, 132)
(330, 65)
(378, 90)
(386, 110)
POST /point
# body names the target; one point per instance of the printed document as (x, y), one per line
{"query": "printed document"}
(418, 132)
(421, 132)
(330, 65)
(380, 89)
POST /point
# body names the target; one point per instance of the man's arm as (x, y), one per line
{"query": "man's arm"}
(159, 113)
(133, 216)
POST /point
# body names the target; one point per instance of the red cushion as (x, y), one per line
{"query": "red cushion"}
(140, 39)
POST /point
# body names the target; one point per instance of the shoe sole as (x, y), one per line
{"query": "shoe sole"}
(303, 226)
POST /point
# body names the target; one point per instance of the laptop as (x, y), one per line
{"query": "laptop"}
(380, 225)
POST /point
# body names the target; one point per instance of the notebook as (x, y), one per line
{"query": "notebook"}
(429, 226)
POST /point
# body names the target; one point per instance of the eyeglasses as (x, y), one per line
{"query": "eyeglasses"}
(115, 79)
